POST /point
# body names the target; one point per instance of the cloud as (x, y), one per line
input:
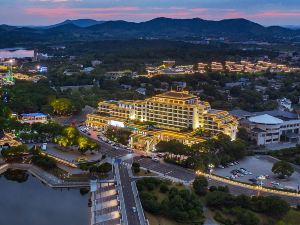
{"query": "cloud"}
(50, 11)
(77, 12)
(279, 14)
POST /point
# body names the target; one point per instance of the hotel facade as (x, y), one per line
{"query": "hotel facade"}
(178, 115)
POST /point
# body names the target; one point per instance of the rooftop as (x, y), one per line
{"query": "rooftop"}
(33, 114)
(275, 113)
(265, 119)
(176, 95)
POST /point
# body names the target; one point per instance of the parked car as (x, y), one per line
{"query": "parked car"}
(253, 180)
(155, 159)
(274, 183)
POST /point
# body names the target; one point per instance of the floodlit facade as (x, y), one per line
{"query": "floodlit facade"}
(177, 112)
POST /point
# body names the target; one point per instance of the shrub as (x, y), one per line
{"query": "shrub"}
(136, 167)
(200, 185)
(164, 188)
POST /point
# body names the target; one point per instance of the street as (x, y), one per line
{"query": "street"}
(132, 217)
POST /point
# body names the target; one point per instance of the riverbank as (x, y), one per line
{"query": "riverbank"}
(47, 178)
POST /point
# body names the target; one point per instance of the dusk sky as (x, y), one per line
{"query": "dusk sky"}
(45, 12)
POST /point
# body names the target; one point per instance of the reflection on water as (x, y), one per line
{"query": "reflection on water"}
(16, 175)
(16, 53)
(24, 200)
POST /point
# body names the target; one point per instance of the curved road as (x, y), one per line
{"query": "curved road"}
(179, 174)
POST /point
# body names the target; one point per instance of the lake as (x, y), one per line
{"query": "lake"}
(30, 202)
(15, 53)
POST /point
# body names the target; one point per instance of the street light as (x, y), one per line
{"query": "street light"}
(211, 168)
(261, 178)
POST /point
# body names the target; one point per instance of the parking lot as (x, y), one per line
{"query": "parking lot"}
(259, 166)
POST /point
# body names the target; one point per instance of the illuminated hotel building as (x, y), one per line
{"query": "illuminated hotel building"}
(179, 112)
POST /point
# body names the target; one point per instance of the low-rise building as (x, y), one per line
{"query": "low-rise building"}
(285, 104)
(269, 127)
(33, 118)
(114, 75)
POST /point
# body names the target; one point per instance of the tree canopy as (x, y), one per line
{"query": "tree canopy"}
(61, 106)
(283, 169)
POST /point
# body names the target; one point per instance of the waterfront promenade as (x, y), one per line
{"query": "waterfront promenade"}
(47, 178)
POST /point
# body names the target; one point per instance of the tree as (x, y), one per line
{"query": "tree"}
(200, 185)
(83, 143)
(136, 167)
(16, 151)
(63, 141)
(61, 106)
(44, 161)
(271, 205)
(104, 168)
(163, 188)
(283, 169)
(219, 199)
(243, 134)
(245, 217)
(70, 132)
(120, 135)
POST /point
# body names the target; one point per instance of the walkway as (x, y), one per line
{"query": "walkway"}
(47, 178)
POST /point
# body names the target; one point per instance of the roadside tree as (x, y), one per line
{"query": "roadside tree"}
(283, 169)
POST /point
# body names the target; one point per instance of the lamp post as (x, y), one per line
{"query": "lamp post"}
(261, 178)
(211, 168)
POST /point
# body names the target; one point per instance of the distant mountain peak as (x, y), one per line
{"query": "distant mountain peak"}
(78, 22)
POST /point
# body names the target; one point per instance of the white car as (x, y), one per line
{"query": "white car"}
(133, 209)
(274, 183)
(155, 159)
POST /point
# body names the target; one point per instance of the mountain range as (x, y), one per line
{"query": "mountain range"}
(159, 28)
(79, 23)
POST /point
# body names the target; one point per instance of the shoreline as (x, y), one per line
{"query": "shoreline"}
(45, 177)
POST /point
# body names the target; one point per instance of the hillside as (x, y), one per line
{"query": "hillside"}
(159, 28)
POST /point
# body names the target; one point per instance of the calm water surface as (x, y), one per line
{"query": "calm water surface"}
(33, 203)
(15, 53)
